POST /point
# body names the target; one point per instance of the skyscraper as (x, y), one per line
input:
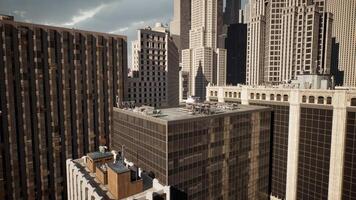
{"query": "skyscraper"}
(209, 151)
(235, 44)
(155, 74)
(313, 145)
(306, 40)
(232, 12)
(57, 91)
(205, 61)
(344, 30)
(180, 24)
(287, 38)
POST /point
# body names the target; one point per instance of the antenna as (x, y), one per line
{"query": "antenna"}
(137, 172)
(122, 153)
(117, 101)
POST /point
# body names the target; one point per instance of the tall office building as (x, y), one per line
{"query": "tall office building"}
(208, 151)
(344, 30)
(255, 42)
(235, 44)
(313, 145)
(232, 12)
(287, 38)
(155, 73)
(180, 24)
(205, 61)
(57, 91)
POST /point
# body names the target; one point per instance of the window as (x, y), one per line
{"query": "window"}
(311, 99)
(304, 99)
(272, 97)
(320, 100)
(279, 97)
(353, 102)
(252, 95)
(285, 97)
(329, 100)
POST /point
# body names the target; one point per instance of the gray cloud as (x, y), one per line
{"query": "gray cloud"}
(122, 17)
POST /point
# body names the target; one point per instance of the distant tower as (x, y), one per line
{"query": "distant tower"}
(231, 14)
(180, 25)
(287, 38)
(154, 80)
(204, 46)
(344, 31)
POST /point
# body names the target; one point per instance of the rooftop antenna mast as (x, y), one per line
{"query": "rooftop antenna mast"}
(122, 153)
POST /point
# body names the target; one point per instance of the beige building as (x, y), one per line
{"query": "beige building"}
(287, 38)
(106, 176)
(135, 49)
(205, 61)
(313, 148)
(154, 80)
(344, 29)
(256, 29)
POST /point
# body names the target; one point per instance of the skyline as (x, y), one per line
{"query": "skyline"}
(109, 16)
(284, 130)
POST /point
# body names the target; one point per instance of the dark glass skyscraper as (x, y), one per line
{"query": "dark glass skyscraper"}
(57, 91)
(231, 14)
(236, 44)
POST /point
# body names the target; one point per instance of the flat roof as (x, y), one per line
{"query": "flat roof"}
(118, 167)
(180, 113)
(59, 28)
(98, 155)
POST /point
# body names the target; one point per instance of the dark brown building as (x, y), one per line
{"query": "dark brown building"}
(224, 155)
(313, 138)
(57, 91)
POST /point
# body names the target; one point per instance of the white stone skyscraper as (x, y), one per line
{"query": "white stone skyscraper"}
(306, 39)
(344, 30)
(255, 42)
(287, 38)
(205, 61)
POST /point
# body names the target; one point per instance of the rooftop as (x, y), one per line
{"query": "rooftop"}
(118, 167)
(192, 111)
(99, 155)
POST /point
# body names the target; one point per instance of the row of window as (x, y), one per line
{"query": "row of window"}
(145, 84)
(319, 100)
(154, 37)
(279, 97)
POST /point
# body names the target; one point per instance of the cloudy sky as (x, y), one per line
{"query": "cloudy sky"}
(111, 16)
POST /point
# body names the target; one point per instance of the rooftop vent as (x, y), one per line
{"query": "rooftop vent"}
(148, 110)
(102, 149)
